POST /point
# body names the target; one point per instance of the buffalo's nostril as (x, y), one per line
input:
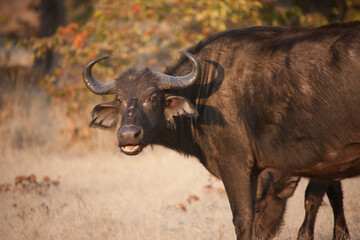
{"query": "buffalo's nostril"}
(138, 133)
(130, 134)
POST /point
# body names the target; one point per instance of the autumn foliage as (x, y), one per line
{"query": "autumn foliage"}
(143, 33)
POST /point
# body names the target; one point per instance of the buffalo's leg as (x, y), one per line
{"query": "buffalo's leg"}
(335, 195)
(240, 186)
(313, 197)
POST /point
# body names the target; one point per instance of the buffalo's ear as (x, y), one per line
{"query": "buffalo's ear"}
(105, 116)
(265, 180)
(178, 106)
(286, 188)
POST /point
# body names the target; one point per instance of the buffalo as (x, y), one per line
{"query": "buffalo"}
(271, 198)
(245, 100)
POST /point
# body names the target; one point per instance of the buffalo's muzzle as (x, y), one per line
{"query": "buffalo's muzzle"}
(130, 139)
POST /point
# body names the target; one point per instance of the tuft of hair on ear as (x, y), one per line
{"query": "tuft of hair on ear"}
(96, 123)
(177, 106)
(105, 116)
(170, 123)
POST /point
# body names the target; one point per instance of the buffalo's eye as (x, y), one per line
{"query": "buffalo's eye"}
(170, 103)
(153, 98)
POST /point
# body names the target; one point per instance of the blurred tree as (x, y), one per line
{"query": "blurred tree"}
(52, 16)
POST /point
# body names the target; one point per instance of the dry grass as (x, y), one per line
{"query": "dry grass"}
(105, 195)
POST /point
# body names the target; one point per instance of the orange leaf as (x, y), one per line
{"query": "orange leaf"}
(79, 41)
(85, 33)
(19, 179)
(56, 183)
(32, 177)
(74, 26)
(136, 8)
(182, 207)
(193, 198)
(85, 132)
(64, 31)
(57, 71)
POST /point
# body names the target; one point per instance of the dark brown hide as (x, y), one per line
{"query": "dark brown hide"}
(266, 97)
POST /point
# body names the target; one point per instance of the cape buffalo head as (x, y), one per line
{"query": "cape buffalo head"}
(142, 106)
(272, 194)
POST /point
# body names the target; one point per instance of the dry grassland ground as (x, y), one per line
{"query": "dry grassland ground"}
(94, 192)
(157, 195)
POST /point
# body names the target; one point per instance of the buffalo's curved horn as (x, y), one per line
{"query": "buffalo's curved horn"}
(97, 87)
(178, 82)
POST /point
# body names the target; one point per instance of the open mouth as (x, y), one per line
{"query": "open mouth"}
(131, 149)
